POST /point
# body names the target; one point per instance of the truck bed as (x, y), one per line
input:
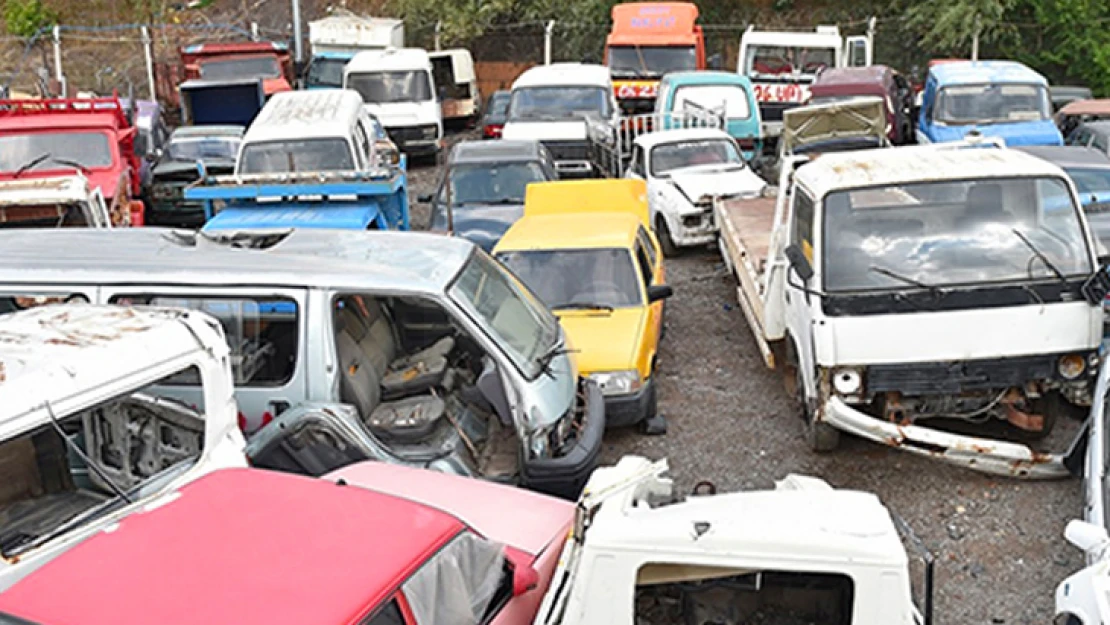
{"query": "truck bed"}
(745, 238)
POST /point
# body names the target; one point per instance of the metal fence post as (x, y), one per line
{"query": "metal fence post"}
(298, 52)
(548, 29)
(871, 40)
(148, 52)
(439, 28)
(254, 31)
(58, 61)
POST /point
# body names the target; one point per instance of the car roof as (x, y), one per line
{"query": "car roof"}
(653, 139)
(979, 72)
(706, 77)
(869, 75)
(306, 114)
(22, 191)
(240, 546)
(498, 150)
(1098, 126)
(913, 164)
(570, 232)
(1069, 155)
(208, 131)
(565, 74)
(397, 262)
(387, 59)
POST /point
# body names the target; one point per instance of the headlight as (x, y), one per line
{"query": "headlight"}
(847, 381)
(430, 132)
(1071, 366)
(539, 443)
(617, 382)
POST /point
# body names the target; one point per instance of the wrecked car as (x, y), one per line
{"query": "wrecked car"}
(59, 202)
(416, 349)
(215, 147)
(86, 435)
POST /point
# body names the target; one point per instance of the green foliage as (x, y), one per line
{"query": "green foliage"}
(23, 18)
(949, 26)
(1072, 42)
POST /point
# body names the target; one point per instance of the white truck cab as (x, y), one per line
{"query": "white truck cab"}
(801, 553)
(86, 435)
(564, 106)
(63, 201)
(901, 289)
(397, 86)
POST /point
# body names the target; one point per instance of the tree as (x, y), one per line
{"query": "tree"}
(24, 18)
(950, 26)
(1072, 41)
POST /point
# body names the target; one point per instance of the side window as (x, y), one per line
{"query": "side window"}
(638, 161)
(388, 614)
(363, 143)
(1099, 143)
(802, 233)
(645, 242)
(465, 583)
(645, 265)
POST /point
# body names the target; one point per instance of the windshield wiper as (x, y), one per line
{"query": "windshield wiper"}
(31, 163)
(1040, 256)
(557, 348)
(935, 290)
(74, 164)
(583, 306)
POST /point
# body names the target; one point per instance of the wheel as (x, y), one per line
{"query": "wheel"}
(1050, 406)
(654, 424)
(670, 250)
(820, 435)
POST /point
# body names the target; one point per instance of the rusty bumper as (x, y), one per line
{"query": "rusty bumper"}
(982, 454)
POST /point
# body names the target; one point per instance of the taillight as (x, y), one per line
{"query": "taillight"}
(492, 130)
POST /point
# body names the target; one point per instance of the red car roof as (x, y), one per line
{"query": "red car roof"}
(239, 546)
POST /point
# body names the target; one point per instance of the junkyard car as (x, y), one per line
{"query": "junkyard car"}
(482, 192)
(215, 146)
(685, 169)
(409, 348)
(1070, 116)
(1089, 169)
(64, 201)
(85, 436)
(842, 83)
(497, 111)
(1092, 134)
(586, 249)
(365, 554)
(727, 92)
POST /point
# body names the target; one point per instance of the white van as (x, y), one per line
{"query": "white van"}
(309, 131)
(457, 82)
(397, 86)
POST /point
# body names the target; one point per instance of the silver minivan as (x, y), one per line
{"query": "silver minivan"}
(410, 348)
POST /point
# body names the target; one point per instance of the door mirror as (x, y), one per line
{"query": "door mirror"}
(1089, 537)
(525, 577)
(798, 262)
(424, 199)
(659, 292)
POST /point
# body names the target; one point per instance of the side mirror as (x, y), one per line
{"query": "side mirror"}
(798, 262)
(659, 292)
(1089, 537)
(525, 577)
(424, 199)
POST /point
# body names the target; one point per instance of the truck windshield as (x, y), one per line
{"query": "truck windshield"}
(392, 87)
(280, 157)
(971, 232)
(328, 73)
(991, 104)
(650, 61)
(91, 150)
(732, 98)
(669, 157)
(193, 148)
(562, 102)
(595, 278)
(774, 61)
(245, 67)
(493, 183)
(507, 310)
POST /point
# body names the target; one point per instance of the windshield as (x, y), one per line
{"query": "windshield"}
(391, 87)
(772, 61)
(91, 150)
(280, 157)
(604, 278)
(732, 98)
(952, 233)
(991, 104)
(498, 104)
(1093, 184)
(506, 310)
(651, 61)
(556, 103)
(249, 67)
(194, 148)
(326, 72)
(493, 183)
(681, 154)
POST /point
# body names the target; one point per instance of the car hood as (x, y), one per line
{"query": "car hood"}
(700, 182)
(177, 168)
(817, 123)
(1014, 134)
(568, 130)
(484, 225)
(606, 341)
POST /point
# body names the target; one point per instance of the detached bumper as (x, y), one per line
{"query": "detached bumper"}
(982, 454)
(630, 408)
(566, 475)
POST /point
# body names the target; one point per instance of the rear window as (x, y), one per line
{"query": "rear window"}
(308, 155)
(262, 333)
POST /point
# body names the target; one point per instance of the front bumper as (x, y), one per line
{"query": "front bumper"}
(413, 140)
(629, 408)
(700, 233)
(982, 454)
(566, 475)
(181, 214)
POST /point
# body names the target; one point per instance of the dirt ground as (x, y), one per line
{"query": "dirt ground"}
(998, 543)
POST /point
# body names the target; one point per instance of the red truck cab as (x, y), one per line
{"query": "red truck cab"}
(51, 137)
(267, 60)
(650, 39)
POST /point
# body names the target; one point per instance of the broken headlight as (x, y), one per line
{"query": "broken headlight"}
(617, 382)
(847, 381)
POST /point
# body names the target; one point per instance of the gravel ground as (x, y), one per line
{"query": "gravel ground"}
(993, 565)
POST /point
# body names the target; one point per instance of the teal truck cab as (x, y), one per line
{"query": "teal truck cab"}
(716, 91)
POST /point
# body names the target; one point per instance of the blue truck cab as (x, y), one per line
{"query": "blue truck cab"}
(1002, 99)
(309, 160)
(325, 70)
(680, 92)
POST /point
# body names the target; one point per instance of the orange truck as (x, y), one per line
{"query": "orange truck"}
(650, 39)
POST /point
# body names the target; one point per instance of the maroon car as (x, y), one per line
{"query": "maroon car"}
(875, 80)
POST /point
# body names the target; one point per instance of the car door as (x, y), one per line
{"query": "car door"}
(799, 313)
(636, 168)
(649, 260)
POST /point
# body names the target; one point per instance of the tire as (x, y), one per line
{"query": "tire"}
(821, 436)
(1051, 406)
(666, 242)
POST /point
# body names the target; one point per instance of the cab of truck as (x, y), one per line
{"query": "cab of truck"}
(265, 60)
(337, 38)
(62, 202)
(398, 87)
(648, 40)
(726, 93)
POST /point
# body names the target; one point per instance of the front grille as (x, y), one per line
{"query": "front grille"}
(937, 378)
(636, 106)
(408, 134)
(568, 150)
